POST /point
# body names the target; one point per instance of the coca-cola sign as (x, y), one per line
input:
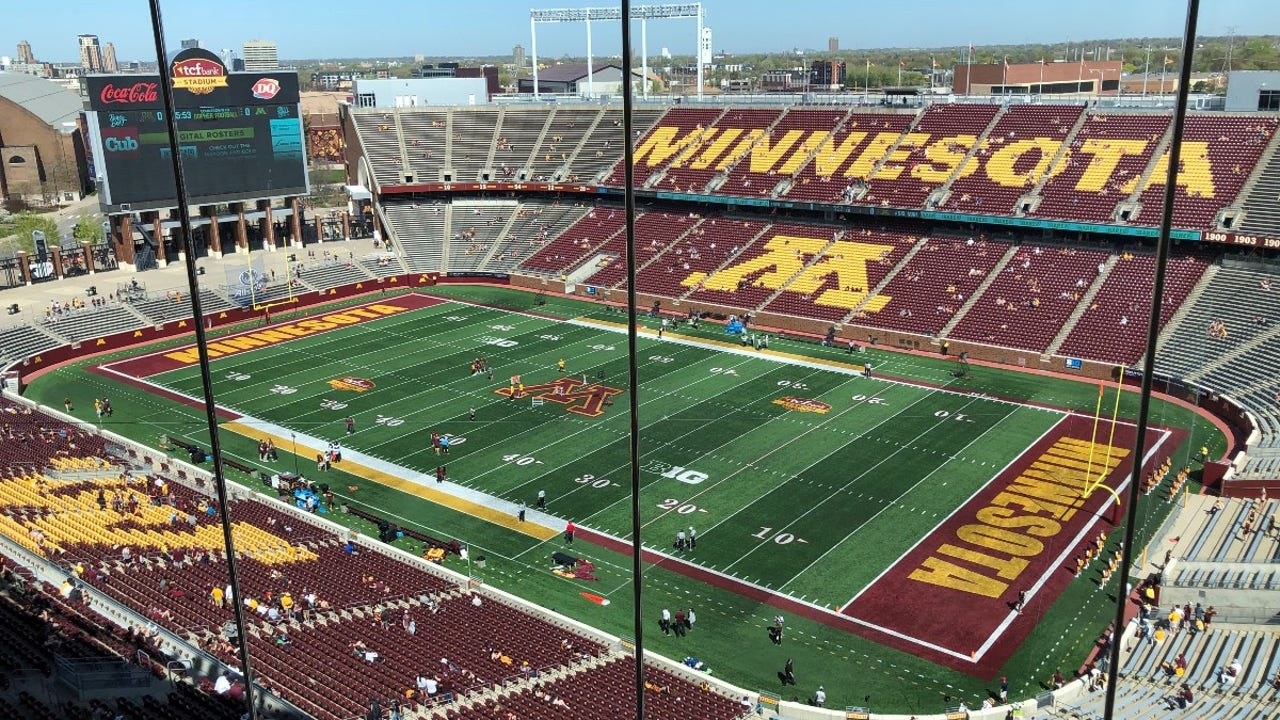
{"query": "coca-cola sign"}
(138, 93)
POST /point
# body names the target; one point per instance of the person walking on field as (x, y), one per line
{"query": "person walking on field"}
(542, 500)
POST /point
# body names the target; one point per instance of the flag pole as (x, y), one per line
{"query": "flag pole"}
(968, 68)
(1093, 441)
(866, 83)
(1115, 417)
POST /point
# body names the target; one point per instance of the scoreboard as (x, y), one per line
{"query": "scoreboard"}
(240, 136)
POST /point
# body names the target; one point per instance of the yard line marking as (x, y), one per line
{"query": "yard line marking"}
(959, 505)
(886, 507)
(863, 474)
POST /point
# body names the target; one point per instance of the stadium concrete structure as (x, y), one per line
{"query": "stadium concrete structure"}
(1018, 234)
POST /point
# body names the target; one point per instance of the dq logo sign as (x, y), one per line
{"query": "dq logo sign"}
(120, 140)
(354, 384)
(803, 404)
(266, 88)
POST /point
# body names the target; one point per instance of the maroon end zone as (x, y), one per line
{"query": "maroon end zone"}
(185, 356)
(133, 371)
(951, 597)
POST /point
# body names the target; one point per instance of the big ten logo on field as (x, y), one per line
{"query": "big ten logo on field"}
(1008, 162)
(120, 140)
(675, 472)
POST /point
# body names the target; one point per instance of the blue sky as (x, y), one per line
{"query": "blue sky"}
(385, 28)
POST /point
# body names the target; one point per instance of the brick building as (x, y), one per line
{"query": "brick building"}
(42, 157)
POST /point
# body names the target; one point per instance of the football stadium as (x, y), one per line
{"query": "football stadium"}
(805, 405)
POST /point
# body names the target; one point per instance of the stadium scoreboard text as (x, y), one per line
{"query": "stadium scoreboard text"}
(240, 135)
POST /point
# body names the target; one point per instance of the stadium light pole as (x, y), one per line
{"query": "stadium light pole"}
(202, 348)
(633, 371)
(1149, 359)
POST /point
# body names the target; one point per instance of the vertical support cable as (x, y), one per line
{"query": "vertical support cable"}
(633, 378)
(1149, 360)
(206, 377)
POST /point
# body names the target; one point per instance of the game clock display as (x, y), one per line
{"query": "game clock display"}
(227, 152)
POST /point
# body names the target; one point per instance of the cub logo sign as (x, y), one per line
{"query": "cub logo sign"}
(354, 384)
(802, 404)
(266, 88)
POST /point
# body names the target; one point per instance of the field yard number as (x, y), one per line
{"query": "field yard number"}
(661, 359)
(284, 390)
(688, 477)
(723, 371)
(389, 421)
(958, 417)
(782, 538)
(333, 404)
(237, 376)
(606, 348)
(679, 507)
(869, 400)
(500, 342)
(453, 439)
(552, 338)
(503, 328)
(518, 459)
(455, 318)
(593, 481)
(793, 385)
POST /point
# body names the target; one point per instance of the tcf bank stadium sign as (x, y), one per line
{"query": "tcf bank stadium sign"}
(198, 71)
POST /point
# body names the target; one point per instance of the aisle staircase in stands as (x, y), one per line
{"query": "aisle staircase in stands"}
(1082, 305)
(979, 291)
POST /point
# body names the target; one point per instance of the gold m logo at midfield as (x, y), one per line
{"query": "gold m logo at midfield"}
(837, 279)
(581, 399)
(1017, 164)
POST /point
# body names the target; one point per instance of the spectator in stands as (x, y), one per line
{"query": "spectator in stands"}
(223, 684)
(1227, 676)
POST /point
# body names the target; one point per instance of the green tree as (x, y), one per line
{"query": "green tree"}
(87, 229)
(23, 225)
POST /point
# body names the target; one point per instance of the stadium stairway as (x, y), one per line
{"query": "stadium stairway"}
(1131, 204)
(939, 196)
(1188, 306)
(978, 292)
(1261, 212)
(1034, 195)
(817, 258)
(884, 282)
(1082, 306)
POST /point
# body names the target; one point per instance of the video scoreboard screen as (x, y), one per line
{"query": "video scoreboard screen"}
(240, 135)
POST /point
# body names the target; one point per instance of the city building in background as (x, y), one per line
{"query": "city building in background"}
(25, 56)
(260, 55)
(90, 53)
(109, 62)
(190, 44)
(42, 158)
(1086, 78)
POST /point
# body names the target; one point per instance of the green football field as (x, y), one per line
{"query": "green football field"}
(802, 478)
(808, 503)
